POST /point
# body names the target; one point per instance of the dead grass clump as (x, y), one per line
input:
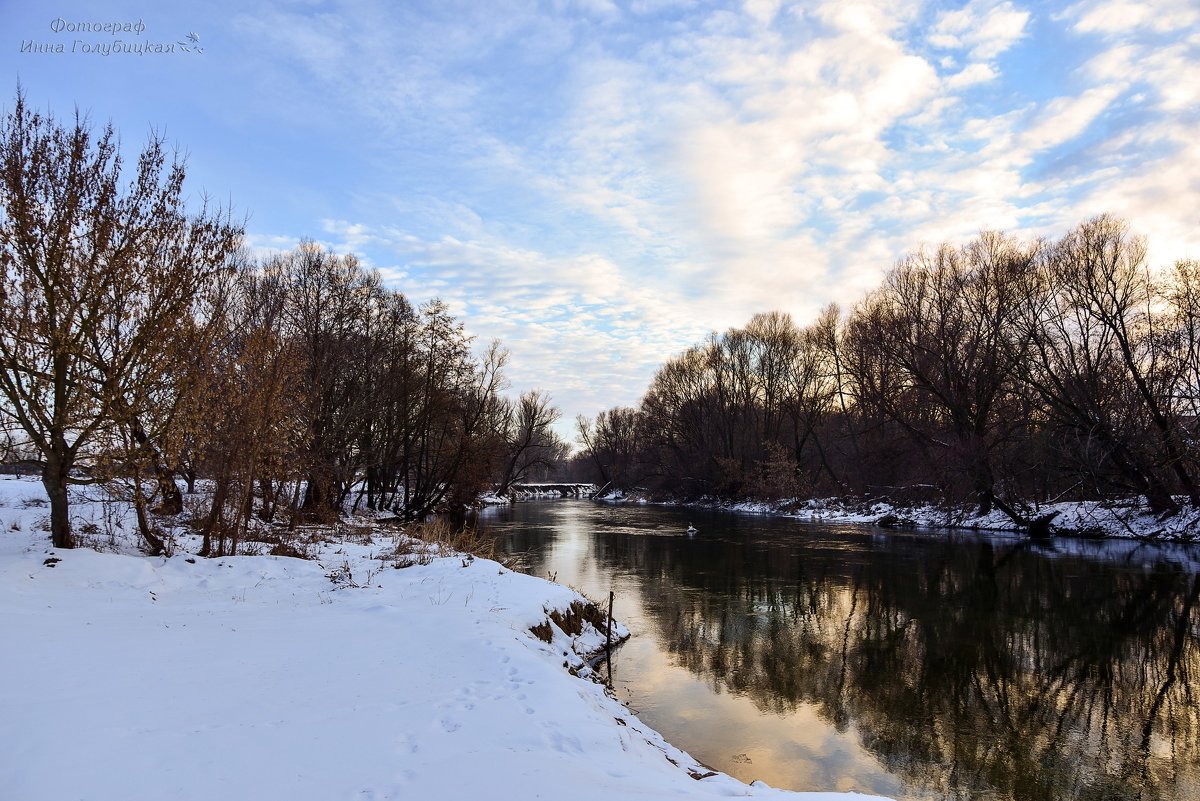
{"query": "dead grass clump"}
(354, 531)
(287, 549)
(319, 515)
(267, 535)
(543, 631)
(571, 621)
(450, 538)
(407, 552)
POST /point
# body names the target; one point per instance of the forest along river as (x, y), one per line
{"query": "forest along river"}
(916, 665)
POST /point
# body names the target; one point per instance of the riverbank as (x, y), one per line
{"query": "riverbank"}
(1124, 519)
(372, 670)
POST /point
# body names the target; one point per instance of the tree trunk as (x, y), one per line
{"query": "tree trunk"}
(320, 495)
(985, 497)
(267, 488)
(212, 524)
(172, 498)
(154, 543)
(54, 479)
(168, 490)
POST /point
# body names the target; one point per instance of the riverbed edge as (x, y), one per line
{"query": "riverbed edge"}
(1124, 519)
(120, 597)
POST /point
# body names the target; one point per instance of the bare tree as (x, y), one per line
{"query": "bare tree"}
(248, 409)
(99, 281)
(1182, 344)
(616, 445)
(815, 388)
(1100, 366)
(944, 321)
(329, 310)
(529, 440)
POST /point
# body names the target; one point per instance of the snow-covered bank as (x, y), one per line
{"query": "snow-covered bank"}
(128, 677)
(538, 491)
(1087, 519)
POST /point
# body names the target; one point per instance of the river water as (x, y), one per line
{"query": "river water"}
(915, 665)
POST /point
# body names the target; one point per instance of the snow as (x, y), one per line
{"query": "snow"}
(531, 490)
(345, 677)
(1115, 519)
(1087, 518)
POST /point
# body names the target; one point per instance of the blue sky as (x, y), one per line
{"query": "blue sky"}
(599, 183)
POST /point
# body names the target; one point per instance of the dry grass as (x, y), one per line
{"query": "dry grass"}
(449, 538)
(289, 550)
(571, 621)
(543, 631)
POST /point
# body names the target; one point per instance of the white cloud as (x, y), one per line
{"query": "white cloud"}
(763, 158)
(985, 28)
(599, 8)
(763, 10)
(970, 76)
(1065, 118)
(1145, 170)
(1123, 16)
(658, 6)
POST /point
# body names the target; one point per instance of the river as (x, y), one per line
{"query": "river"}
(917, 665)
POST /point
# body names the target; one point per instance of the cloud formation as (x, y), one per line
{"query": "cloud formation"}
(775, 155)
(599, 183)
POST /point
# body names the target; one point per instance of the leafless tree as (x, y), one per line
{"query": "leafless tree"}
(329, 309)
(943, 322)
(528, 437)
(247, 408)
(1099, 365)
(100, 279)
(617, 446)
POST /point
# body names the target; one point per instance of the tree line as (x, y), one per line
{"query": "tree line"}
(141, 345)
(997, 374)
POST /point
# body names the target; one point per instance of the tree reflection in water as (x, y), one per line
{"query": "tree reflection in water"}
(971, 667)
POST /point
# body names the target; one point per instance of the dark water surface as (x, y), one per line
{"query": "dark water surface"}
(916, 665)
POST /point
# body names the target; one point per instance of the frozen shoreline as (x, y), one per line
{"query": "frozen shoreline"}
(1089, 519)
(132, 677)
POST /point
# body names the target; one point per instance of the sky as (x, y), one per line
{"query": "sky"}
(601, 183)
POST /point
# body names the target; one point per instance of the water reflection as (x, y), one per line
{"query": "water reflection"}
(919, 666)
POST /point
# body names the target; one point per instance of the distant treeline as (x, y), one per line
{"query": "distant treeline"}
(324, 390)
(996, 373)
(140, 344)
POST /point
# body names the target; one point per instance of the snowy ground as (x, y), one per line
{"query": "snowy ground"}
(1089, 519)
(257, 677)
